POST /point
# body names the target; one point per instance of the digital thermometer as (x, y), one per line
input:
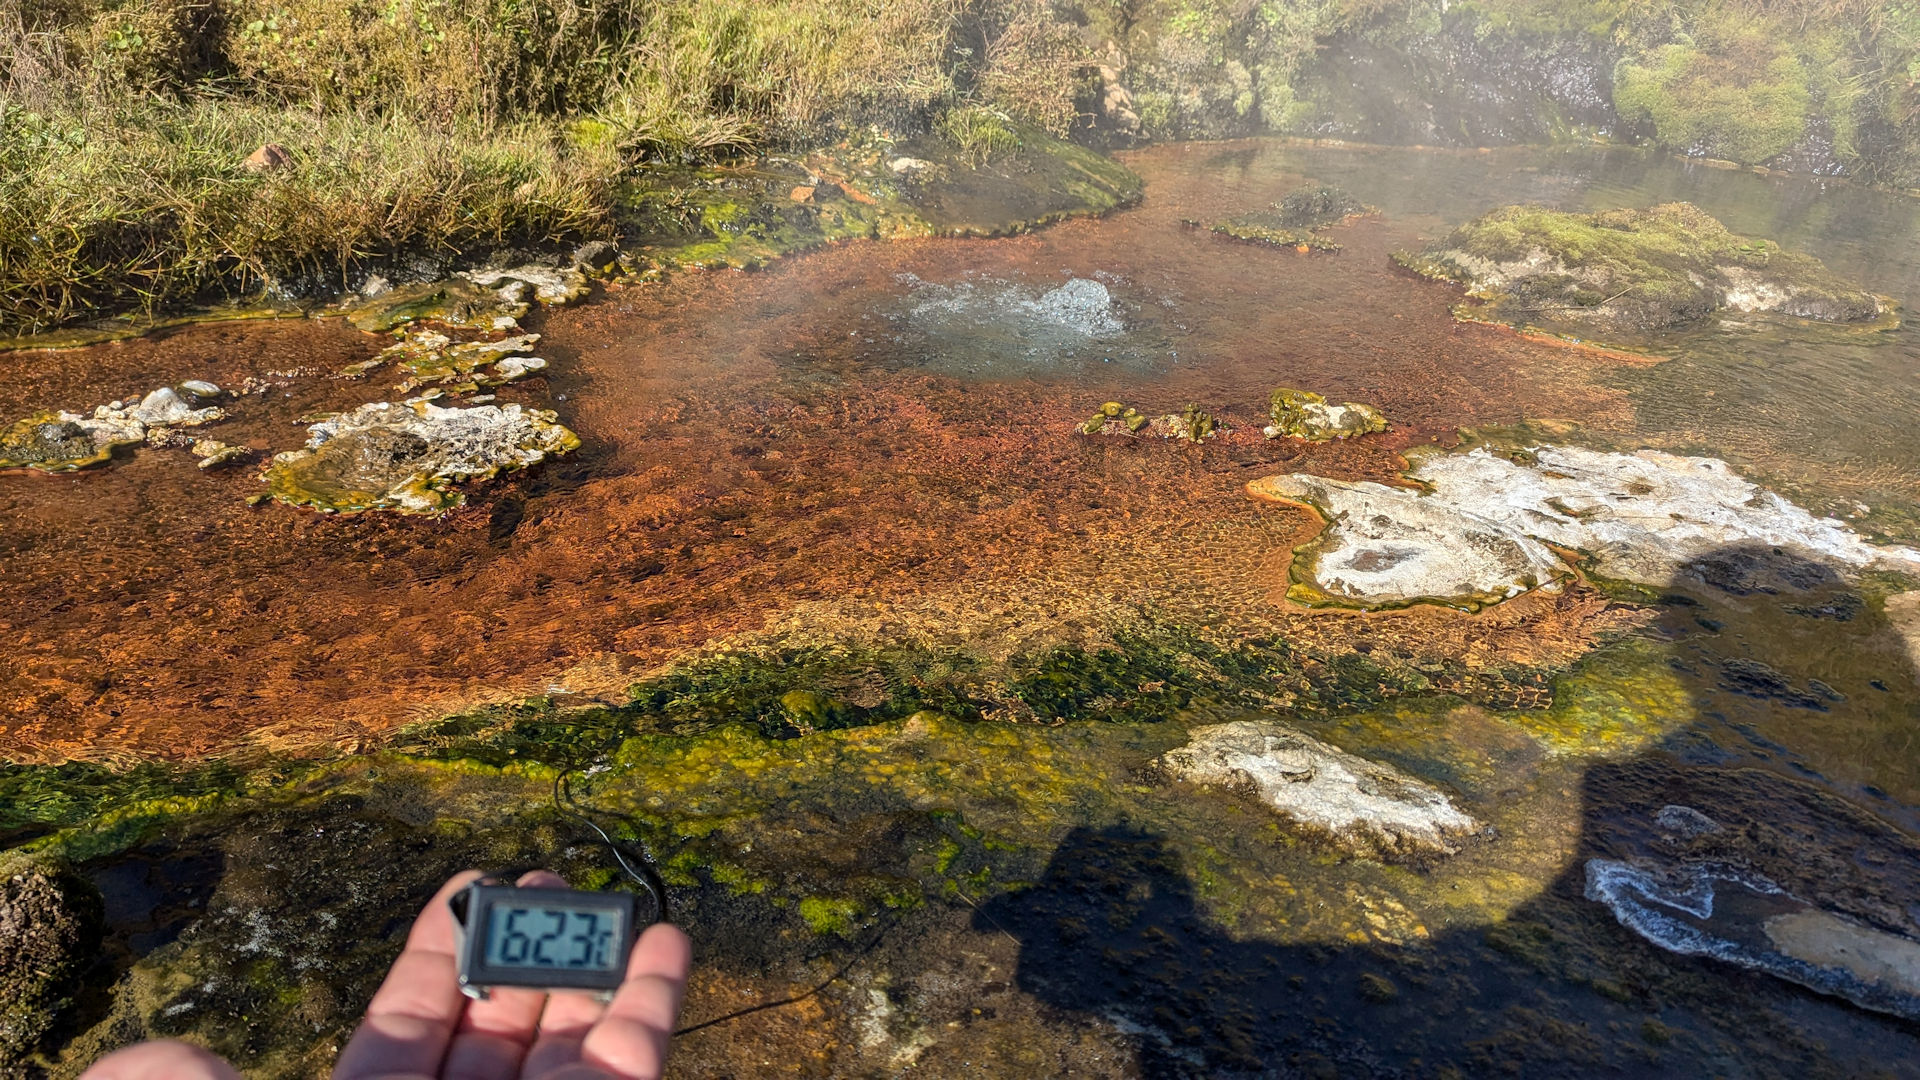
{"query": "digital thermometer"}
(545, 939)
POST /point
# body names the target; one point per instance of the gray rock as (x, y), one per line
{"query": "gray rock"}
(200, 389)
(1365, 807)
(597, 258)
(551, 285)
(1705, 909)
(164, 407)
(1684, 822)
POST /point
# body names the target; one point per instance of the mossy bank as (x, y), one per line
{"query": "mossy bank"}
(157, 155)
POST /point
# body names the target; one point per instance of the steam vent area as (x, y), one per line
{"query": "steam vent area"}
(1050, 538)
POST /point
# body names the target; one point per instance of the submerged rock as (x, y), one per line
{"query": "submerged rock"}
(214, 454)
(1192, 424)
(404, 457)
(1390, 547)
(1630, 271)
(1301, 414)
(50, 923)
(430, 358)
(1365, 807)
(1480, 531)
(163, 407)
(1707, 909)
(1296, 220)
(54, 441)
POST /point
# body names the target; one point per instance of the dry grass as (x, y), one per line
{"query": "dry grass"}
(103, 211)
(429, 126)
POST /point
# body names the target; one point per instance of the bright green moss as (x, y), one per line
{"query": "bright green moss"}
(826, 915)
(1699, 103)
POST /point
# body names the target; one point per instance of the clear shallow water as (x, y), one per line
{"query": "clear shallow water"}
(875, 443)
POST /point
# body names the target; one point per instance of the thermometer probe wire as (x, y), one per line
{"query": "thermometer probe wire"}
(645, 875)
(648, 878)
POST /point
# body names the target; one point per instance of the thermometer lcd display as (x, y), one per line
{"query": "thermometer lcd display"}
(553, 936)
(552, 939)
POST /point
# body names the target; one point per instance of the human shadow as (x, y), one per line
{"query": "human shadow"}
(1115, 928)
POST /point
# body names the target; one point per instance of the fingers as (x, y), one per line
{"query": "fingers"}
(412, 1016)
(563, 1026)
(631, 1041)
(172, 1060)
(494, 1035)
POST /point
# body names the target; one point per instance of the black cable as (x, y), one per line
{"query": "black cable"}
(649, 879)
(797, 998)
(646, 876)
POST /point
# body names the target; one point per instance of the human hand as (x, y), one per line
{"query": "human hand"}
(420, 1027)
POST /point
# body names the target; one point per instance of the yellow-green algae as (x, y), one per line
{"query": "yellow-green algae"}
(820, 832)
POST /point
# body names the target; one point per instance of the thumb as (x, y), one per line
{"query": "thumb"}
(161, 1061)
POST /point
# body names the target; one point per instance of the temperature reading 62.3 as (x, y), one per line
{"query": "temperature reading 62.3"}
(547, 936)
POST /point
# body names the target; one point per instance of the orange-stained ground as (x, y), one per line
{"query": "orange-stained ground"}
(746, 449)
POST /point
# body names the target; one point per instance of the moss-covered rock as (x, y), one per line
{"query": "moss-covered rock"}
(455, 302)
(747, 215)
(54, 441)
(1191, 424)
(1295, 221)
(1303, 414)
(406, 457)
(428, 358)
(49, 934)
(1630, 271)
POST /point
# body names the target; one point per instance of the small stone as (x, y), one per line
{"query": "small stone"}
(514, 368)
(214, 454)
(903, 166)
(803, 193)
(375, 285)
(269, 158)
(163, 406)
(1684, 822)
(1377, 989)
(200, 388)
(597, 258)
(1302, 414)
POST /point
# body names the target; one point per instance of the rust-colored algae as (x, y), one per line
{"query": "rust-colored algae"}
(751, 442)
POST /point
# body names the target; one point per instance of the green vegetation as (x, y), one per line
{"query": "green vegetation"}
(1295, 221)
(415, 134)
(435, 129)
